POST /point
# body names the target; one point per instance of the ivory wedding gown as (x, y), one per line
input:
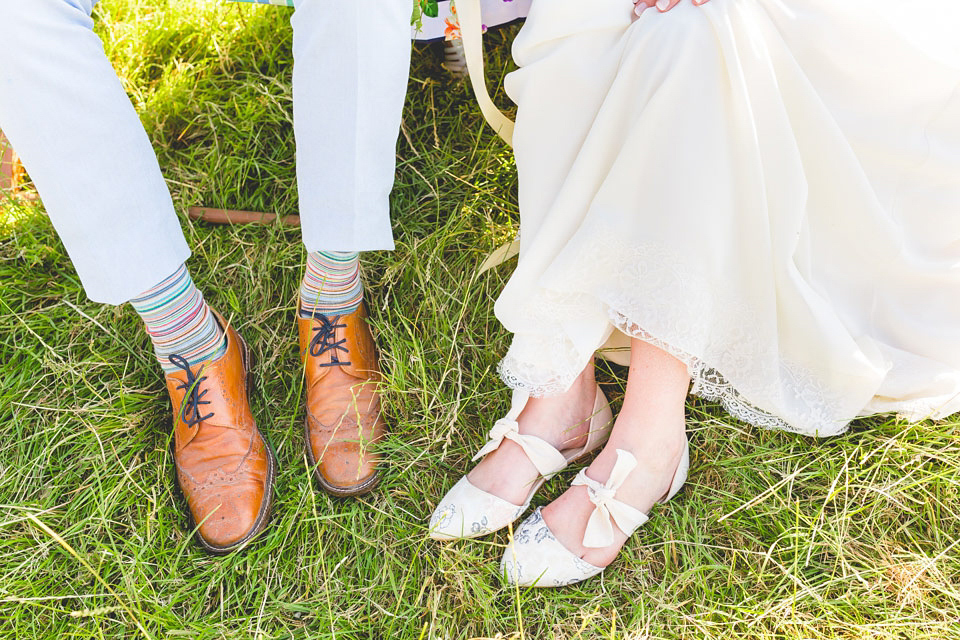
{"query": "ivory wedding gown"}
(768, 189)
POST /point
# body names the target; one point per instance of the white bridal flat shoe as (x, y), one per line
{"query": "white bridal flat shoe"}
(535, 558)
(469, 512)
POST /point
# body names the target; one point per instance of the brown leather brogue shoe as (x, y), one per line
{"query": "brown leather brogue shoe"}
(343, 420)
(224, 466)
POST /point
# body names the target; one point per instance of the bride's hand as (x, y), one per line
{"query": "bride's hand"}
(661, 5)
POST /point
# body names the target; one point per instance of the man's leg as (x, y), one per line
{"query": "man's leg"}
(64, 109)
(66, 114)
(351, 64)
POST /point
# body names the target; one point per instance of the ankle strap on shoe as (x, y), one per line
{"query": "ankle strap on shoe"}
(607, 509)
(542, 454)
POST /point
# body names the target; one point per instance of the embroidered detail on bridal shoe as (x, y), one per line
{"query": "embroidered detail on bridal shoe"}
(536, 558)
(468, 512)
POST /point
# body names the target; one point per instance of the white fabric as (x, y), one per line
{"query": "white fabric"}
(768, 189)
(607, 509)
(350, 70)
(542, 454)
(68, 117)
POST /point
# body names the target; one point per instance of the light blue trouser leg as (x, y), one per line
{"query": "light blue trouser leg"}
(68, 117)
(351, 64)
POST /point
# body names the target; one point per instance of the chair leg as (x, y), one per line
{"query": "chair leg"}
(454, 59)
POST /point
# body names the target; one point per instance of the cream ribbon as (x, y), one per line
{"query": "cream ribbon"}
(471, 30)
(607, 508)
(544, 457)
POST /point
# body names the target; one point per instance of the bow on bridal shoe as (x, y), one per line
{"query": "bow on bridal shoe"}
(469, 512)
(535, 558)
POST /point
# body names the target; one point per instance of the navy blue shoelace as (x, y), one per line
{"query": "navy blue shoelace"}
(325, 339)
(193, 396)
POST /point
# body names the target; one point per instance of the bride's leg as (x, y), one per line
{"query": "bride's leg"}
(561, 420)
(651, 427)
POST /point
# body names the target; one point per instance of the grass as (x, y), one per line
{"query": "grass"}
(775, 535)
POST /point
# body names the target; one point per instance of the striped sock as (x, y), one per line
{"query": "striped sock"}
(331, 284)
(180, 322)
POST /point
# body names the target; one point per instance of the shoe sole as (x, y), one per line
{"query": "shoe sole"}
(263, 517)
(595, 445)
(341, 492)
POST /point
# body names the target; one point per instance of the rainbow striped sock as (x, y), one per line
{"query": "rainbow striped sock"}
(331, 284)
(180, 322)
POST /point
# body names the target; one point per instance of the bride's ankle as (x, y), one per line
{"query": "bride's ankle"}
(666, 440)
(562, 420)
(658, 442)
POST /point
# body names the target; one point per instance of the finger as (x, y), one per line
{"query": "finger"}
(642, 5)
(700, 2)
(665, 5)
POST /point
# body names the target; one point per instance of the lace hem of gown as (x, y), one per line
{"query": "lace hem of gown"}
(736, 349)
(707, 382)
(547, 362)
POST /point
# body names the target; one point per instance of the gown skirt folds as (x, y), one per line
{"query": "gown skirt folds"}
(767, 189)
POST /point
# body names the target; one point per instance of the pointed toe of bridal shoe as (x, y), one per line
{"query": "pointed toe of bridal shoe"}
(535, 558)
(469, 512)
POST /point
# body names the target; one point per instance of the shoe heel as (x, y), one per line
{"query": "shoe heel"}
(679, 476)
(601, 423)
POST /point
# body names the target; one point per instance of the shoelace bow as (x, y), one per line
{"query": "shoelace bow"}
(193, 396)
(542, 454)
(324, 340)
(607, 509)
